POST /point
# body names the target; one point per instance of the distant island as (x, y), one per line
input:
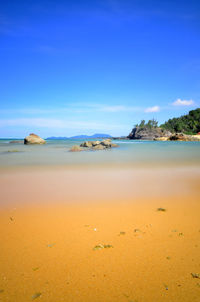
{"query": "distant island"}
(82, 136)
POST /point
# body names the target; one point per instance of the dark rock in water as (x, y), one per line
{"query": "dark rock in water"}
(34, 139)
(16, 142)
(148, 133)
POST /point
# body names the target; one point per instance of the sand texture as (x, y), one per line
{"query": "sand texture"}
(96, 235)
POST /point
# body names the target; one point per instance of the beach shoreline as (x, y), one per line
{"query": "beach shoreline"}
(55, 223)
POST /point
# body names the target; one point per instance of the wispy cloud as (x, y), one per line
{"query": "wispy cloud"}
(180, 102)
(119, 108)
(56, 123)
(152, 109)
(74, 108)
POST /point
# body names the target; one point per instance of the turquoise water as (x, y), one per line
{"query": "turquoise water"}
(55, 152)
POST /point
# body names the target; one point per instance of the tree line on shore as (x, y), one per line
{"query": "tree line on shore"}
(188, 124)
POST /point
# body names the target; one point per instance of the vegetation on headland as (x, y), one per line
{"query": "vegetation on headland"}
(188, 124)
(149, 125)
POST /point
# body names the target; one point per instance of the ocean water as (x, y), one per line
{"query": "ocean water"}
(56, 152)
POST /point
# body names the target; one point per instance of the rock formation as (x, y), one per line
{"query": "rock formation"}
(180, 137)
(148, 133)
(94, 145)
(184, 137)
(33, 139)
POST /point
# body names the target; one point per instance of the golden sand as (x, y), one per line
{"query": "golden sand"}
(51, 221)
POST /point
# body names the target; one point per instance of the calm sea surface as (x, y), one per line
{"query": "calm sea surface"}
(56, 152)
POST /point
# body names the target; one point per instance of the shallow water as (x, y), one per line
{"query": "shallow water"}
(52, 218)
(55, 152)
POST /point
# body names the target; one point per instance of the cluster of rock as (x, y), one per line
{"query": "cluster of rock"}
(34, 139)
(94, 145)
(180, 137)
(148, 133)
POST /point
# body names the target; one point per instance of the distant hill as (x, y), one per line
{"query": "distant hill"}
(188, 124)
(82, 136)
(57, 137)
(96, 135)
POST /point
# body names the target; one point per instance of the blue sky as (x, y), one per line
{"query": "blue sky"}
(73, 67)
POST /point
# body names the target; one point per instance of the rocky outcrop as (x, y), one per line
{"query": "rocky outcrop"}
(33, 139)
(184, 137)
(94, 145)
(181, 137)
(148, 133)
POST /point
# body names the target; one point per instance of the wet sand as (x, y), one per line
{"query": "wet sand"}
(51, 220)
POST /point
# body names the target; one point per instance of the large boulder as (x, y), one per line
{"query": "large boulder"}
(34, 139)
(148, 133)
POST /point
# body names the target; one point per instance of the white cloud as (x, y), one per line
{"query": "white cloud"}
(180, 102)
(152, 109)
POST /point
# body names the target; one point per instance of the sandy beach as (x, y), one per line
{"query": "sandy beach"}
(95, 234)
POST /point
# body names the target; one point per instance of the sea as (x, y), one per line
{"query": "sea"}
(128, 152)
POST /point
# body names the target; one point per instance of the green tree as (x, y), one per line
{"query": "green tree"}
(189, 123)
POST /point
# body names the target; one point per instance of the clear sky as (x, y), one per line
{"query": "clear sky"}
(74, 67)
